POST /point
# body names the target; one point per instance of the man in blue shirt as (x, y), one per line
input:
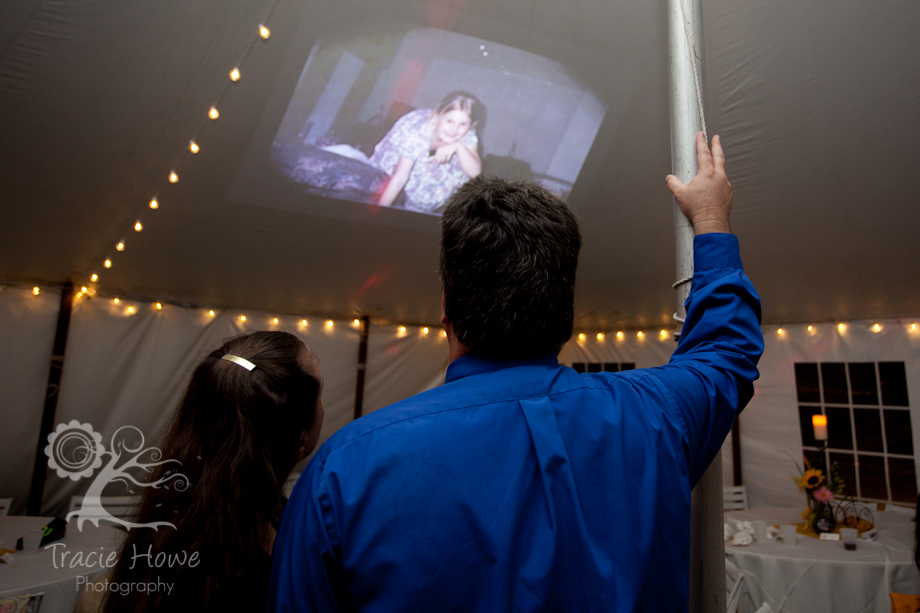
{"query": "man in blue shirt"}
(520, 485)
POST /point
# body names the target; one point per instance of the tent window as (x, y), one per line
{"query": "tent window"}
(870, 444)
(581, 367)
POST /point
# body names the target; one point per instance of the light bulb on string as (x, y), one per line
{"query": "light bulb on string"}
(120, 246)
(581, 336)
(94, 277)
(84, 289)
(913, 327)
(600, 336)
(154, 204)
(811, 328)
(211, 313)
(173, 177)
(402, 329)
(264, 32)
(158, 306)
(877, 328)
(620, 335)
(425, 330)
(640, 334)
(356, 323)
(193, 147)
(107, 263)
(275, 321)
(130, 310)
(36, 290)
(664, 334)
(444, 333)
(841, 327)
(138, 226)
(303, 322)
(779, 331)
(242, 318)
(235, 75)
(329, 324)
(213, 113)
(116, 300)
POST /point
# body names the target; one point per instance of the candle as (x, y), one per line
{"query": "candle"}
(819, 423)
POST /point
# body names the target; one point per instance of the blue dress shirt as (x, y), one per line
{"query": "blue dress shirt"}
(525, 486)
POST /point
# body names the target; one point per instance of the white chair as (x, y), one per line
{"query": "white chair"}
(898, 509)
(122, 507)
(734, 498)
(289, 484)
(734, 582)
(5, 504)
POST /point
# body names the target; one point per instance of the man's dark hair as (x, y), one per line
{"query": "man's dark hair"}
(508, 257)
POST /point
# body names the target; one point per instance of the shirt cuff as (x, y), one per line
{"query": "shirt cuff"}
(716, 250)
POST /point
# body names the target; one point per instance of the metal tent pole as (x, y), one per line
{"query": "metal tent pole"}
(707, 551)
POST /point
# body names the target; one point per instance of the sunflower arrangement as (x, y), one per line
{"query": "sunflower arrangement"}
(821, 490)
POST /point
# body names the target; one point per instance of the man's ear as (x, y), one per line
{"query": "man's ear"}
(444, 319)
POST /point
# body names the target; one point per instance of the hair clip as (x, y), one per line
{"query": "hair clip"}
(238, 360)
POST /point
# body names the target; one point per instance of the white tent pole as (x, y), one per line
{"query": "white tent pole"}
(707, 550)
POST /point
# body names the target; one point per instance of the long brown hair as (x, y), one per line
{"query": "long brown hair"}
(237, 433)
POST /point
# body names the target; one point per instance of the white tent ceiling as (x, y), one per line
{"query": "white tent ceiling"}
(817, 103)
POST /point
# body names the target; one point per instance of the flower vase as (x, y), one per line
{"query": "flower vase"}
(822, 517)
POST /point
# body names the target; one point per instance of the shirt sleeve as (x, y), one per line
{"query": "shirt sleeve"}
(306, 571)
(710, 377)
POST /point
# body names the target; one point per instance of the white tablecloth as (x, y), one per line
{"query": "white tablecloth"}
(37, 573)
(815, 576)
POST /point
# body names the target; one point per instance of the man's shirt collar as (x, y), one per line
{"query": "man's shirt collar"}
(472, 364)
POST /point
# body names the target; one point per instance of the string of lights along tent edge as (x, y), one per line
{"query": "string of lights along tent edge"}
(582, 338)
(263, 33)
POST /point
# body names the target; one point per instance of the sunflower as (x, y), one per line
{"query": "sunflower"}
(812, 478)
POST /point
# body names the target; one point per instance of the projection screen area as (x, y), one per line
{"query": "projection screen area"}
(390, 114)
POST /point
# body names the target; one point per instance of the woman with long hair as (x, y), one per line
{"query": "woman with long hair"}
(252, 410)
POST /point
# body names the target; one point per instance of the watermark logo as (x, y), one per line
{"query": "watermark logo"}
(76, 451)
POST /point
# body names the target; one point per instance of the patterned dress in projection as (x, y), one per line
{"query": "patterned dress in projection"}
(430, 183)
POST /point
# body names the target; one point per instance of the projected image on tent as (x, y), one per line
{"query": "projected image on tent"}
(402, 120)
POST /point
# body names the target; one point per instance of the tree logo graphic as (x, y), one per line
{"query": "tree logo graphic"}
(75, 450)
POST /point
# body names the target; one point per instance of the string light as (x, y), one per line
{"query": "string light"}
(779, 331)
(154, 204)
(213, 113)
(159, 306)
(193, 147)
(120, 246)
(242, 318)
(275, 321)
(876, 328)
(36, 290)
(620, 335)
(402, 329)
(329, 323)
(356, 323)
(303, 322)
(130, 310)
(841, 327)
(913, 327)
(107, 263)
(425, 330)
(811, 328)
(664, 334)
(173, 177)
(581, 336)
(138, 226)
(94, 277)
(84, 290)
(235, 75)
(79, 294)
(600, 336)
(116, 300)
(640, 334)
(211, 312)
(264, 32)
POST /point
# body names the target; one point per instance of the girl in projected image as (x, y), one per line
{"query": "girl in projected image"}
(428, 154)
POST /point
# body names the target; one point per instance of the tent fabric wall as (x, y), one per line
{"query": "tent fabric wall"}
(27, 326)
(770, 424)
(129, 369)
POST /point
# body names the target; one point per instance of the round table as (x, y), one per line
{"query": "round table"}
(817, 575)
(55, 571)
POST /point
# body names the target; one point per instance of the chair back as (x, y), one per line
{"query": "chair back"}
(734, 582)
(122, 507)
(5, 504)
(734, 498)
